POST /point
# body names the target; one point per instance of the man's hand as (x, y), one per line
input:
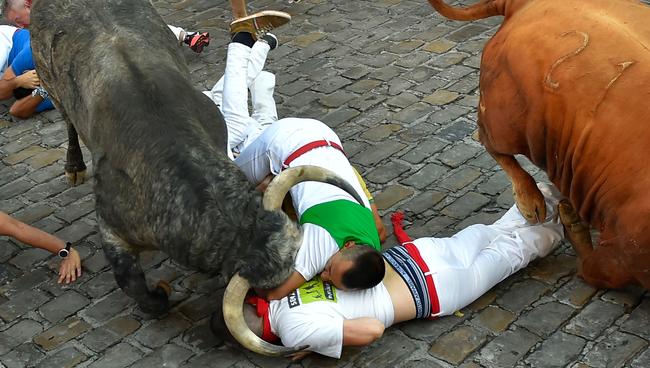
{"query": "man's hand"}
(70, 267)
(28, 80)
(296, 357)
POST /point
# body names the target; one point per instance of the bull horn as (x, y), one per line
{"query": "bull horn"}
(233, 314)
(280, 185)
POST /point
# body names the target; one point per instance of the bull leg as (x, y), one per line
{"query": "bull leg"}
(575, 230)
(75, 168)
(125, 262)
(238, 8)
(605, 267)
(529, 199)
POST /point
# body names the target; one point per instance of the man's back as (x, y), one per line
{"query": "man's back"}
(314, 313)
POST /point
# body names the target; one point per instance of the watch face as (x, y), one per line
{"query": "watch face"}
(63, 253)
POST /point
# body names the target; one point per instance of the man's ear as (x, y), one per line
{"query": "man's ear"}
(349, 244)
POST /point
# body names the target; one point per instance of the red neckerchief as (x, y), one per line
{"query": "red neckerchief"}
(262, 310)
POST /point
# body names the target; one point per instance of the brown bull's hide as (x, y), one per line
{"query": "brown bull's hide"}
(566, 83)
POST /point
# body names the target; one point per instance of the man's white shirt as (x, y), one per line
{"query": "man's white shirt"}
(292, 317)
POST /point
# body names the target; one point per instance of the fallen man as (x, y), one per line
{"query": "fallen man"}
(426, 278)
(339, 235)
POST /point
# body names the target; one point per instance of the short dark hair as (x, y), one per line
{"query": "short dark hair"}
(367, 270)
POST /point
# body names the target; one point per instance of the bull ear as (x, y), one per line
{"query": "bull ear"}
(280, 185)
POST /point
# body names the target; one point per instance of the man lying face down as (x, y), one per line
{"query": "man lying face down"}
(339, 235)
(426, 278)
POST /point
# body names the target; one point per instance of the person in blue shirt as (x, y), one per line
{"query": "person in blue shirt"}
(19, 78)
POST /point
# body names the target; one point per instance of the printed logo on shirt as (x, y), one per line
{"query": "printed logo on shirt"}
(314, 290)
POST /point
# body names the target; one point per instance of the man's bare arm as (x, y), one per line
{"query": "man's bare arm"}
(361, 331)
(10, 81)
(293, 282)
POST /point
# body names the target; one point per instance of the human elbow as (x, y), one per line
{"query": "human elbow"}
(376, 331)
(19, 112)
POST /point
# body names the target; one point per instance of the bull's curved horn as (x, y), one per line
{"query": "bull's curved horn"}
(233, 301)
(280, 185)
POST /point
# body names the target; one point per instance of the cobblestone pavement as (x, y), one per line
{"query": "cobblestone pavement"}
(399, 84)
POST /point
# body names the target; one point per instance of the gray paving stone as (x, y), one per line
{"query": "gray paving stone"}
(166, 356)
(21, 303)
(159, 332)
(642, 360)
(465, 205)
(382, 174)
(413, 113)
(201, 337)
(76, 231)
(618, 349)
(121, 355)
(576, 292)
(639, 320)
(494, 319)
(594, 319)
(628, 297)
(7, 274)
(21, 332)
(62, 333)
(63, 306)
(15, 188)
(460, 178)
(339, 116)
(224, 357)
(388, 351)
(425, 176)
(522, 295)
(22, 356)
(544, 319)
(458, 154)
(430, 331)
(455, 346)
(110, 333)
(448, 114)
(424, 201)
(559, 350)
(77, 210)
(26, 259)
(108, 307)
(7, 250)
(391, 196)
(424, 150)
(507, 349)
(457, 131)
(68, 358)
(378, 153)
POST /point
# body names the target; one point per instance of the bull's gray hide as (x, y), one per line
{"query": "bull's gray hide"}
(162, 177)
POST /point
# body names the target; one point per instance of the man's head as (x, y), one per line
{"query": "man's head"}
(17, 12)
(354, 267)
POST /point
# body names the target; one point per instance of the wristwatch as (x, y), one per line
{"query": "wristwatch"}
(65, 252)
(40, 91)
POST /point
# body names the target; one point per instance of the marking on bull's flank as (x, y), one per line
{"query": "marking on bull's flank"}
(548, 81)
(622, 67)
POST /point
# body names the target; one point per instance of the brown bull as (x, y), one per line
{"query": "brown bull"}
(567, 83)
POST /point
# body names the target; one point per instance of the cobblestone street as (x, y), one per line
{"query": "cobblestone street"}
(399, 84)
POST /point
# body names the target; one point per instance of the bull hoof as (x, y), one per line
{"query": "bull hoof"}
(530, 203)
(164, 287)
(76, 178)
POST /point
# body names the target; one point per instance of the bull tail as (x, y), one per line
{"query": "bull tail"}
(481, 10)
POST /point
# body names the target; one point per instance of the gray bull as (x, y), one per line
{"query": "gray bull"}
(162, 176)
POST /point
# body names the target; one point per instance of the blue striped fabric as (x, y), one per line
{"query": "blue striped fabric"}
(399, 258)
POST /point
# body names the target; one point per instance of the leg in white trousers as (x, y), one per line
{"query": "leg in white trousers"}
(471, 262)
(243, 71)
